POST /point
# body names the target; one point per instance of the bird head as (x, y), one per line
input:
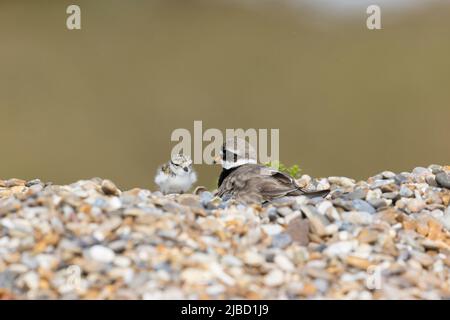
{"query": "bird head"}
(181, 164)
(236, 152)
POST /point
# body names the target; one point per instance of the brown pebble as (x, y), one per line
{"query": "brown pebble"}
(109, 188)
(358, 262)
(298, 229)
(368, 236)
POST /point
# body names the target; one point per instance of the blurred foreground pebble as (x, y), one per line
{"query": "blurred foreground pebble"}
(384, 238)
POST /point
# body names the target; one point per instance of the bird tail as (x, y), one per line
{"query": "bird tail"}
(310, 194)
(320, 193)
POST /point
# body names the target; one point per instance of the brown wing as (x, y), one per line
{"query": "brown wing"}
(255, 183)
(274, 184)
(286, 186)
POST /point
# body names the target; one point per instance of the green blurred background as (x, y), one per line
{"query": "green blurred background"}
(104, 100)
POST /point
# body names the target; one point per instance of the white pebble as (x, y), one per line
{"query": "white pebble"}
(101, 254)
(274, 278)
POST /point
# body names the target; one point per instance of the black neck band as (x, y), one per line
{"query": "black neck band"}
(224, 174)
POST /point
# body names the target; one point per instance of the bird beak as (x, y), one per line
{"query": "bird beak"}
(217, 160)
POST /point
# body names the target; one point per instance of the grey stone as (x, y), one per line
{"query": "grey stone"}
(362, 205)
(378, 203)
(321, 285)
(205, 197)
(284, 211)
(435, 168)
(431, 180)
(391, 195)
(272, 213)
(381, 183)
(359, 193)
(405, 192)
(33, 182)
(7, 279)
(443, 179)
(388, 174)
(358, 217)
(420, 171)
(401, 178)
(281, 240)
(341, 203)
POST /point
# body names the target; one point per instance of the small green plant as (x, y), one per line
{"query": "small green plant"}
(293, 171)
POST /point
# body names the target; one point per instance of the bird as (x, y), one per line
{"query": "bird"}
(246, 181)
(176, 176)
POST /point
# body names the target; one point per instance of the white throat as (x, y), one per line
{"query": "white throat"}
(229, 164)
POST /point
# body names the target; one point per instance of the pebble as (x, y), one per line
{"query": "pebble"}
(418, 171)
(272, 214)
(317, 221)
(192, 276)
(122, 262)
(327, 208)
(431, 180)
(232, 261)
(388, 174)
(359, 193)
(405, 192)
(284, 211)
(415, 205)
(443, 179)
(272, 229)
(7, 279)
(435, 168)
(357, 217)
(14, 183)
(274, 278)
(321, 285)
(380, 203)
(252, 258)
(373, 195)
(445, 219)
(101, 254)
(402, 178)
(342, 181)
(33, 182)
(368, 236)
(109, 188)
(358, 262)
(282, 240)
(31, 280)
(298, 230)
(304, 180)
(284, 263)
(361, 205)
(391, 195)
(381, 183)
(341, 248)
(205, 197)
